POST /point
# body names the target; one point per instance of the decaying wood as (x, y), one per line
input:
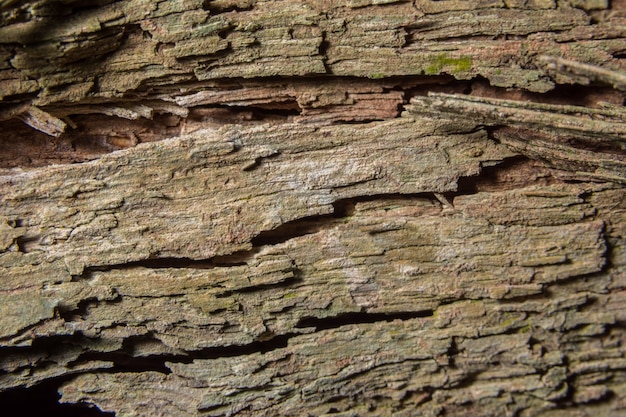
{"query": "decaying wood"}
(314, 208)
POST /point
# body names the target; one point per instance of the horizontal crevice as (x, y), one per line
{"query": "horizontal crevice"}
(346, 206)
(572, 95)
(209, 5)
(293, 229)
(262, 287)
(234, 259)
(346, 319)
(342, 208)
(126, 361)
(89, 134)
(156, 263)
(306, 225)
(219, 115)
(268, 343)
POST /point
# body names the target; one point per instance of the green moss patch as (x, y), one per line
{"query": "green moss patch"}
(452, 65)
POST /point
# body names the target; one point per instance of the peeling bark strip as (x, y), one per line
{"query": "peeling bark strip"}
(365, 207)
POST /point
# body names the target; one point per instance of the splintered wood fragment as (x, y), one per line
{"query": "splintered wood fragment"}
(444, 201)
(551, 147)
(599, 125)
(586, 73)
(42, 121)
(557, 134)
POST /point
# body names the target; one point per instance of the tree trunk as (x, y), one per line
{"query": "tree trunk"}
(359, 207)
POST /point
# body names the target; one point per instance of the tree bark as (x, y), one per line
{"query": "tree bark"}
(360, 207)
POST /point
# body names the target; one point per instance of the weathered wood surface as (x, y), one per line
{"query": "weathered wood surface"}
(315, 207)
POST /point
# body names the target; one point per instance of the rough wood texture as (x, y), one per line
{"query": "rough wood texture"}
(314, 208)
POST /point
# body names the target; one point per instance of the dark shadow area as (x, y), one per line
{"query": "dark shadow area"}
(618, 4)
(295, 228)
(93, 136)
(512, 173)
(563, 94)
(359, 318)
(214, 8)
(43, 400)
(342, 208)
(156, 263)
